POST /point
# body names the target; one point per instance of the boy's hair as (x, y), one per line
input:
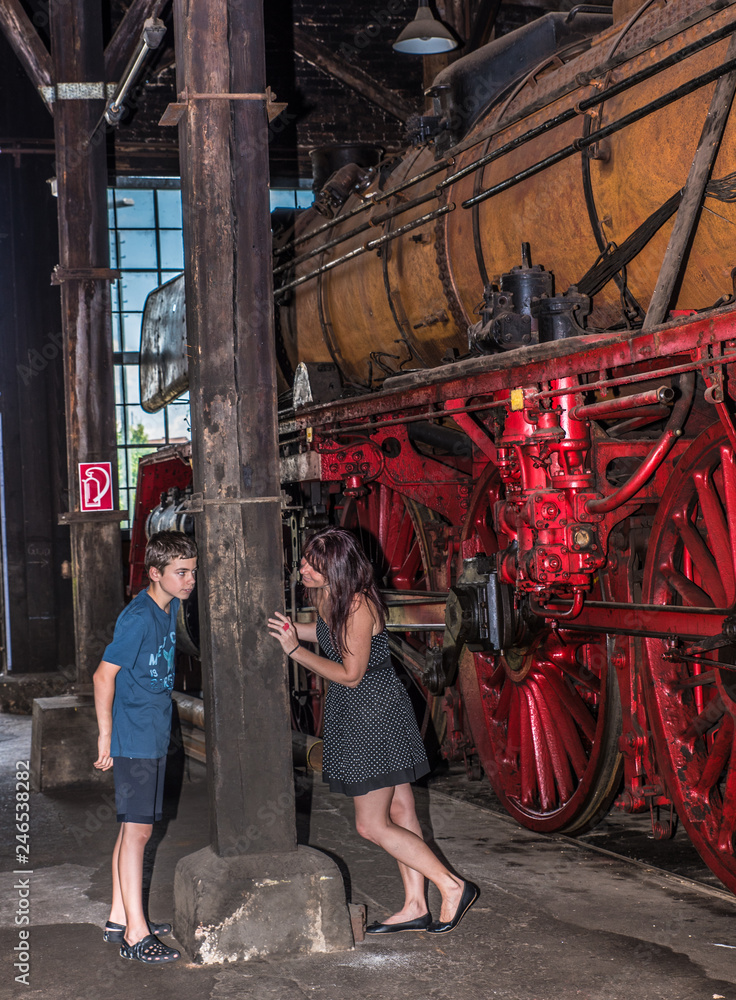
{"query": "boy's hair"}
(165, 546)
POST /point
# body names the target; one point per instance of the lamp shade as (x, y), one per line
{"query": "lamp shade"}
(424, 35)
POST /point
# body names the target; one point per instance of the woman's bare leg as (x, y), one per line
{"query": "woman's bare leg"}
(403, 813)
(374, 822)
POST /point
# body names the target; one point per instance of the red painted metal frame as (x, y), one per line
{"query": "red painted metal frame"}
(553, 524)
(641, 355)
(388, 457)
(157, 473)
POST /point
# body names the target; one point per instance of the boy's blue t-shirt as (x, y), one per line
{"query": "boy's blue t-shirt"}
(143, 647)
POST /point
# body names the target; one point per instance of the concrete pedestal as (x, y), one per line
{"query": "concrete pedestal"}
(64, 744)
(237, 908)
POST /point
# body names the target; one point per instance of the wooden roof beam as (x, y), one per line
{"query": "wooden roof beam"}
(325, 59)
(27, 45)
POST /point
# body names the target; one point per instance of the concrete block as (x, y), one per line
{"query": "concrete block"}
(237, 908)
(64, 744)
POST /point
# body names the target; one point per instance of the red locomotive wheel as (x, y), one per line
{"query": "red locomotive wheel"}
(691, 561)
(545, 713)
(389, 529)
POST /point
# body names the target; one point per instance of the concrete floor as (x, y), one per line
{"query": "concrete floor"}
(555, 921)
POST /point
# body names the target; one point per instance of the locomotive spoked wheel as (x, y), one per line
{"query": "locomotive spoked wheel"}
(391, 531)
(546, 713)
(691, 561)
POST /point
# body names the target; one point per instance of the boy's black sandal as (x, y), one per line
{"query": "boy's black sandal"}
(113, 933)
(149, 950)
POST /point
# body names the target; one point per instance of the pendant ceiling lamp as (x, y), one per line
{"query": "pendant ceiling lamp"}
(424, 36)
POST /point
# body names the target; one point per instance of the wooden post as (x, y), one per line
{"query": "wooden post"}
(252, 892)
(227, 238)
(81, 171)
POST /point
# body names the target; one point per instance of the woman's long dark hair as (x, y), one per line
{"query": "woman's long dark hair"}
(336, 555)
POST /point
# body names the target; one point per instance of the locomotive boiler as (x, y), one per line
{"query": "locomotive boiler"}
(512, 354)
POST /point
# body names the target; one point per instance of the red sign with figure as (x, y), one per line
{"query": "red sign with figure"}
(95, 486)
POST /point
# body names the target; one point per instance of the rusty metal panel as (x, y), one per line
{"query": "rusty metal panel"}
(164, 367)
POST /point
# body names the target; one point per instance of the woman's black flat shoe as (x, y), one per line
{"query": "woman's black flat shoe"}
(469, 896)
(417, 924)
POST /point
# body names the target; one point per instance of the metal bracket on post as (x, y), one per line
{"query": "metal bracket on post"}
(77, 91)
(197, 503)
(175, 112)
(61, 274)
(92, 516)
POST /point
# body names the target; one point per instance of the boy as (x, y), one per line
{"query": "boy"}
(133, 685)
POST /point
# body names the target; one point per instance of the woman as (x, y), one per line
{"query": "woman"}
(372, 746)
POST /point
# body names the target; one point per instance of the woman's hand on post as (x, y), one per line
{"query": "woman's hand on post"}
(281, 628)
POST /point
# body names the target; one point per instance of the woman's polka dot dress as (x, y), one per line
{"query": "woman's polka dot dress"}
(371, 738)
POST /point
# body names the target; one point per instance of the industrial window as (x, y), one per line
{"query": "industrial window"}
(146, 246)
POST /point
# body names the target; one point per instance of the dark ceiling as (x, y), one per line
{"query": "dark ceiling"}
(312, 48)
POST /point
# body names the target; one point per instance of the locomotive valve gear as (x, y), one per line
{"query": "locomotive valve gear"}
(479, 614)
(508, 319)
(561, 316)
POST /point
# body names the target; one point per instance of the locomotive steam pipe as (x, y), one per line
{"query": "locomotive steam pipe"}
(607, 408)
(656, 456)
(588, 103)
(572, 612)
(602, 133)
(372, 223)
(375, 199)
(440, 437)
(635, 420)
(585, 105)
(578, 146)
(370, 245)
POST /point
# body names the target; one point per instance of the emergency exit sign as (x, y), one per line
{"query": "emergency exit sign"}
(95, 486)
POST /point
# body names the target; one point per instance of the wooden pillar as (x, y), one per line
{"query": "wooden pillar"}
(227, 240)
(77, 53)
(30, 364)
(39, 605)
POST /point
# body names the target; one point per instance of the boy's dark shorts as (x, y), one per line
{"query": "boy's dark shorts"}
(139, 788)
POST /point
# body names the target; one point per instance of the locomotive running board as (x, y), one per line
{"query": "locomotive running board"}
(528, 366)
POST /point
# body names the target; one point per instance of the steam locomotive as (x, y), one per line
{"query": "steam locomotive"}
(509, 358)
